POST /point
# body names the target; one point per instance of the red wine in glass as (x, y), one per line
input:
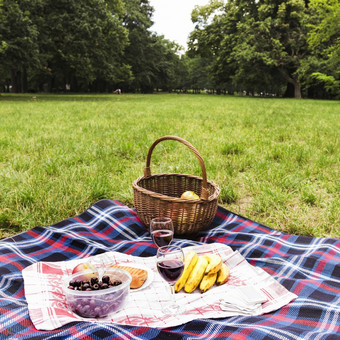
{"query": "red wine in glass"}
(170, 270)
(162, 237)
(170, 265)
(162, 231)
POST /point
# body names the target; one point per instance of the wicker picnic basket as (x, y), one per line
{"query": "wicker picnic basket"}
(159, 195)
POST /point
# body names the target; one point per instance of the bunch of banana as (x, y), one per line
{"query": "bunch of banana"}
(190, 261)
(202, 271)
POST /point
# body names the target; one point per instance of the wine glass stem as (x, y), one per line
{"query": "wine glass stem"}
(172, 293)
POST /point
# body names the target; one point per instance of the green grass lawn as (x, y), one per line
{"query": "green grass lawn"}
(276, 160)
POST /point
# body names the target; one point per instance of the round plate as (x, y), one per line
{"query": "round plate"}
(148, 280)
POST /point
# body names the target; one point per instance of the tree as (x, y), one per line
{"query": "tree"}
(207, 69)
(84, 41)
(270, 36)
(321, 70)
(94, 45)
(154, 60)
(137, 20)
(2, 43)
(19, 41)
(2, 46)
(199, 74)
(54, 42)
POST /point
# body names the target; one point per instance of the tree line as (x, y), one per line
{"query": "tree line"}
(260, 47)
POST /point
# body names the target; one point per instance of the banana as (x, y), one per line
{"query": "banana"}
(222, 275)
(207, 282)
(189, 263)
(196, 275)
(215, 263)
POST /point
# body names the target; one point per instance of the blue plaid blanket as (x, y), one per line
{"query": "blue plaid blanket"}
(306, 266)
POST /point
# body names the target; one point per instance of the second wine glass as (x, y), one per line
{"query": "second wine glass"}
(162, 231)
(170, 265)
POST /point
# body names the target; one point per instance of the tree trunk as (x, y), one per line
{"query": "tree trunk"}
(289, 93)
(294, 82)
(14, 81)
(23, 80)
(297, 90)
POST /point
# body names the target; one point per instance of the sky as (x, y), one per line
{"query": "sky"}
(172, 18)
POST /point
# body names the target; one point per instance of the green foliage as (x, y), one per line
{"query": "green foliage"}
(84, 44)
(93, 45)
(154, 60)
(19, 36)
(284, 48)
(324, 24)
(2, 43)
(58, 42)
(263, 46)
(258, 38)
(199, 73)
(324, 41)
(328, 82)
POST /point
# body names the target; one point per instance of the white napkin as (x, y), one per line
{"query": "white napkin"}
(244, 300)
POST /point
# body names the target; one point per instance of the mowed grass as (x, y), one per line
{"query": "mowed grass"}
(276, 160)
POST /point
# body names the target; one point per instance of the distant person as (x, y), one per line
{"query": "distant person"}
(68, 88)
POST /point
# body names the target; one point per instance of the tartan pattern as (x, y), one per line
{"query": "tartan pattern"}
(308, 267)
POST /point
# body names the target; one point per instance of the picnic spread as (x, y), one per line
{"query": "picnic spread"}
(306, 271)
(105, 275)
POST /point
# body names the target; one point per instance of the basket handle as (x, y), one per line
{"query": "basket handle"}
(147, 171)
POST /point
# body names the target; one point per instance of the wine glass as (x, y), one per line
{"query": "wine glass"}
(170, 265)
(162, 231)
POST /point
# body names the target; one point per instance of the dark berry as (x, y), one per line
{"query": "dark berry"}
(93, 284)
(97, 311)
(85, 286)
(94, 280)
(106, 279)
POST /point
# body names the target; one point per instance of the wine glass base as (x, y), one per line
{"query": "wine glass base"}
(172, 309)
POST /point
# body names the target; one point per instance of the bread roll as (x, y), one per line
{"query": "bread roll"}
(139, 276)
